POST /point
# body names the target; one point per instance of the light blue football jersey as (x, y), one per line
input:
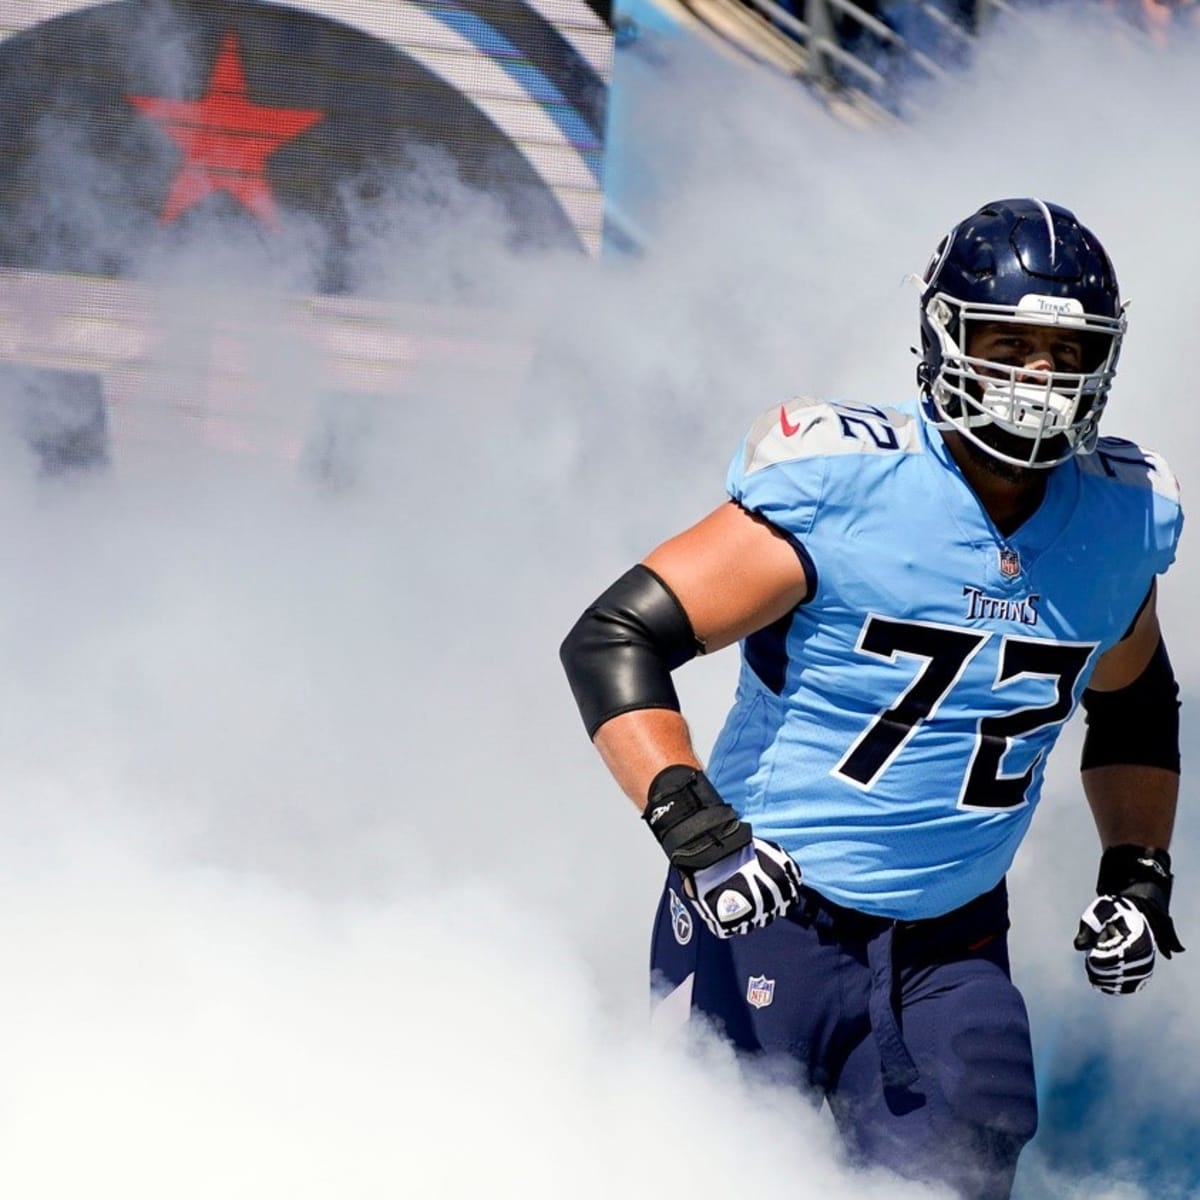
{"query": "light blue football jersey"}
(892, 732)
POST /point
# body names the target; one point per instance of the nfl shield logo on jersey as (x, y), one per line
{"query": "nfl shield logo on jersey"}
(1010, 562)
(760, 991)
(681, 920)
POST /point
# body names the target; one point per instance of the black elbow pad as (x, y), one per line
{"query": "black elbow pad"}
(620, 654)
(1137, 725)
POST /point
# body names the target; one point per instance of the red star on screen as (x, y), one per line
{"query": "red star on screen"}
(226, 139)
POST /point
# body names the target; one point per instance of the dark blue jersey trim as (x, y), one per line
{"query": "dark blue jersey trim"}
(810, 567)
(766, 650)
(766, 653)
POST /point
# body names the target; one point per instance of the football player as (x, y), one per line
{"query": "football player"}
(922, 594)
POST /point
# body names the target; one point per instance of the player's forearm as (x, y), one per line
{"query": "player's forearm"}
(1132, 805)
(637, 745)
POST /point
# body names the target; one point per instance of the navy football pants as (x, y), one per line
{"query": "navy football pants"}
(912, 1032)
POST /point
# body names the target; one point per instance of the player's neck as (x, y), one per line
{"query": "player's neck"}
(1009, 495)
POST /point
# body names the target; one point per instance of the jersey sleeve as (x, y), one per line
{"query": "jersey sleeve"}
(1149, 493)
(779, 471)
(1168, 510)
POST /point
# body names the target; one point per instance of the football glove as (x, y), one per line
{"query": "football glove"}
(735, 881)
(745, 891)
(1128, 924)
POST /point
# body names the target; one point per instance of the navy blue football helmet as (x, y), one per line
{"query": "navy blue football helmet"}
(1022, 262)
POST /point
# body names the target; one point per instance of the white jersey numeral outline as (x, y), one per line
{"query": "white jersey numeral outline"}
(946, 651)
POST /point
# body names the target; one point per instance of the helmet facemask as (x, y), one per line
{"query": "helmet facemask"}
(1027, 418)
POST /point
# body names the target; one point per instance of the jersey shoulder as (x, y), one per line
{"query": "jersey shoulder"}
(1124, 464)
(1135, 494)
(808, 456)
(807, 428)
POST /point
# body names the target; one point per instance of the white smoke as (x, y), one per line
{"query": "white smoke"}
(311, 882)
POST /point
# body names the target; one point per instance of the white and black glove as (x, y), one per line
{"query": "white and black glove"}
(1124, 929)
(747, 890)
(735, 881)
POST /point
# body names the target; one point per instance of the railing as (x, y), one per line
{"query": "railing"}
(818, 55)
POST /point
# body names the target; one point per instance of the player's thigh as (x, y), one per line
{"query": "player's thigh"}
(974, 1104)
(776, 991)
(967, 1027)
(692, 972)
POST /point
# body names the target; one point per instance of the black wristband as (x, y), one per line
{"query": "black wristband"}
(1142, 874)
(693, 824)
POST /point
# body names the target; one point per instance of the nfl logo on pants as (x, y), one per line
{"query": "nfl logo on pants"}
(760, 991)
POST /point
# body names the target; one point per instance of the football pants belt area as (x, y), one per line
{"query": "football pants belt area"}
(890, 944)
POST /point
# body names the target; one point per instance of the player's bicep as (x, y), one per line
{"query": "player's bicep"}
(1121, 664)
(733, 572)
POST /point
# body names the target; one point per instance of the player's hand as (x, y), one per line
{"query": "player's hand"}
(745, 891)
(1128, 925)
(1119, 945)
(735, 881)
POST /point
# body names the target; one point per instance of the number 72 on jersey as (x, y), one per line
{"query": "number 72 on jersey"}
(944, 651)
